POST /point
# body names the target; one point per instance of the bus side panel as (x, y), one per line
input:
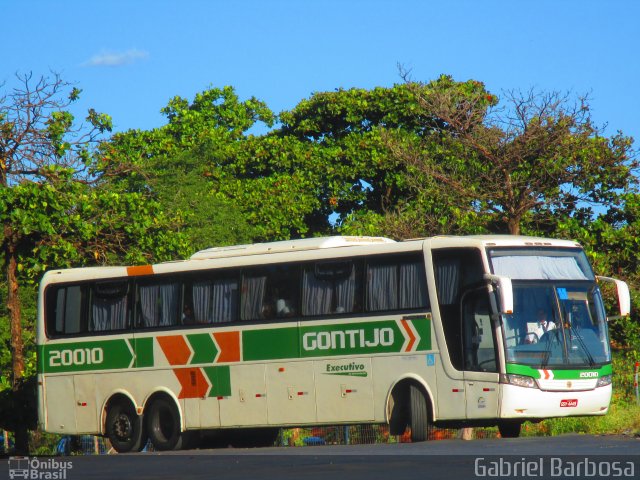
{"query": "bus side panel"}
(85, 403)
(247, 404)
(60, 404)
(345, 390)
(291, 396)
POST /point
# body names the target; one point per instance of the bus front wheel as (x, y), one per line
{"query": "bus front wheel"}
(419, 414)
(124, 428)
(509, 429)
(163, 425)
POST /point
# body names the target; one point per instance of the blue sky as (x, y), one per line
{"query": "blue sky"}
(131, 57)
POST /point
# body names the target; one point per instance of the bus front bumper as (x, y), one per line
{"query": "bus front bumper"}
(522, 402)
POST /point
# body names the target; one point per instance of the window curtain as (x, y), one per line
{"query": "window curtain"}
(530, 267)
(159, 304)
(149, 305)
(108, 314)
(170, 296)
(225, 294)
(346, 293)
(202, 296)
(447, 280)
(382, 287)
(317, 294)
(413, 286)
(253, 289)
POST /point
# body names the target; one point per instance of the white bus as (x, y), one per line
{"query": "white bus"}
(325, 331)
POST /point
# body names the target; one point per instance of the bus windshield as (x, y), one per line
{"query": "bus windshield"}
(559, 317)
(555, 325)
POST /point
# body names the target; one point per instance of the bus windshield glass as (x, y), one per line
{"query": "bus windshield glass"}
(559, 318)
(541, 263)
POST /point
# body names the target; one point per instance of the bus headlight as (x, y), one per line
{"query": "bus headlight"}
(603, 381)
(518, 380)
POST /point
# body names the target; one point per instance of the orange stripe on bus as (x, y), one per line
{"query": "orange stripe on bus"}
(175, 348)
(229, 343)
(192, 381)
(140, 270)
(412, 337)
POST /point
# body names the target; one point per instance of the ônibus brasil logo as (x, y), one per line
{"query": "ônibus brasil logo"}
(34, 468)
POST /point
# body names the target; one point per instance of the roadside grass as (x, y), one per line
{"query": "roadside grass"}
(621, 419)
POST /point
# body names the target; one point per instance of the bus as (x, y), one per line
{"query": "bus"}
(443, 331)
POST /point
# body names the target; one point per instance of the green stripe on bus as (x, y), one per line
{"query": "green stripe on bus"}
(351, 339)
(220, 378)
(423, 327)
(204, 350)
(143, 348)
(86, 356)
(270, 344)
(558, 374)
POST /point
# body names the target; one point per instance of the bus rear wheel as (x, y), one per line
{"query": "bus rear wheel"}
(418, 413)
(163, 425)
(124, 428)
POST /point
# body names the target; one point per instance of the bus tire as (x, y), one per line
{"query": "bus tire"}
(163, 425)
(418, 413)
(509, 429)
(124, 428)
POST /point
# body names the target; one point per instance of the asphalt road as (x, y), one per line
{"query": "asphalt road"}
(569, 456)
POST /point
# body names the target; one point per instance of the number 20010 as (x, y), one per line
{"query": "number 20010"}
(79, 356)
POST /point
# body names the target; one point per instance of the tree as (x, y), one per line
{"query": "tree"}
(523, 166)
(55, 212)
(35, 132)
(170, 162)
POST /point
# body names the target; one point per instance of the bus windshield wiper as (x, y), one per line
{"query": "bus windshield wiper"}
(583, 345)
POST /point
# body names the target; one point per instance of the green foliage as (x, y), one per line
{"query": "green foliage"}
(184, 192)
(171, 164)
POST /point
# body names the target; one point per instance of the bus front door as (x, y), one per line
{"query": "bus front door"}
(481, 376)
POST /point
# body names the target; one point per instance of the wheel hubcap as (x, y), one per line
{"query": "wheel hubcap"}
(122, 426)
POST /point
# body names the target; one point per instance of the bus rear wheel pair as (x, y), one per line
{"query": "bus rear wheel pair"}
(128, 431)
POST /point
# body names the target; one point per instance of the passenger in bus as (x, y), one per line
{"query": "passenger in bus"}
(284, 308)
(541, 327)
(187, 315)
(268, 311)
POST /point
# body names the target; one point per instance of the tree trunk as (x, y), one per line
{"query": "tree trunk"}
(17, 345)
(513, 223)
(13, 305)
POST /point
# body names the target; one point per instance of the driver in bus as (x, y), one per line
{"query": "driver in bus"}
(542, 326)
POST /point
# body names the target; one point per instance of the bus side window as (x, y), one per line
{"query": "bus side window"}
(64, 316)
(331, 288)
(158, 304)
(396, 283)
(109, 306)
(211, 301)
(270, 292)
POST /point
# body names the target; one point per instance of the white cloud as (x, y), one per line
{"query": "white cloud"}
(116, 59)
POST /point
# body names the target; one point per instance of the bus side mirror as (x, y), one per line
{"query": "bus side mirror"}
(624, 298)
(505, 291)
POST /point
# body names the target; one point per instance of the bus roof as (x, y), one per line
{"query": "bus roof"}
(503, 241)
(288, 246)
(240, 255)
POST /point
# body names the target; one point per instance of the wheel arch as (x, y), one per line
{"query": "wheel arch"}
(164, 393)
(401, 386)
(119, 395)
